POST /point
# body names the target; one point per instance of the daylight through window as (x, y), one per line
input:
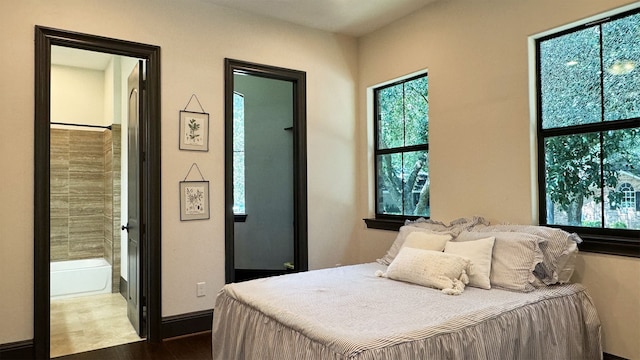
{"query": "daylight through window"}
(589, 125)
(402, 148)
(238, 154)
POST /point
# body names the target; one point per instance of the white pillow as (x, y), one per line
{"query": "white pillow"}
(435, 269)
(426, 241)
(479, 252)
(401, 237)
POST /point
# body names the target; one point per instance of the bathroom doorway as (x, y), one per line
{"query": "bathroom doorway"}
(89, 183)
(83, 127)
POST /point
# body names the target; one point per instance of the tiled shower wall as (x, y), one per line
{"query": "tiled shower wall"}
(112, 230)
(83, 189)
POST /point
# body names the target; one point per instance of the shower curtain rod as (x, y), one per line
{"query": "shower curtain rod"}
(83, 125)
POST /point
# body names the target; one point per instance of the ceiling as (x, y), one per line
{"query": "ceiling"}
(350, 17)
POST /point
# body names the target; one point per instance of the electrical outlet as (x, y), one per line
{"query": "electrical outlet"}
(200, 289)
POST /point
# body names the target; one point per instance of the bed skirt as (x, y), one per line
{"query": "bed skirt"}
(561, 324)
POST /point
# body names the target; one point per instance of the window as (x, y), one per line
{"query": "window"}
(628, 196)
(238, 154)
(589, 131)
(402, 149)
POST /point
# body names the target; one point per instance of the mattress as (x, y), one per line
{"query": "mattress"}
(349, 313)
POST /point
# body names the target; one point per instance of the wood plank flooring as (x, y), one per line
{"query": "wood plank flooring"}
(193, 347)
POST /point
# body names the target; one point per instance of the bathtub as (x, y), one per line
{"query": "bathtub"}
(80, 277)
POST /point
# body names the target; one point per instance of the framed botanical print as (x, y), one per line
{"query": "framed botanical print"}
(194, 131)
(194, 200)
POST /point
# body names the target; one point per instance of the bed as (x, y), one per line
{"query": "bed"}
(362, 312)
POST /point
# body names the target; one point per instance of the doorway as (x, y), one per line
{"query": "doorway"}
(88, 250)
(148, 136)
(265, 171)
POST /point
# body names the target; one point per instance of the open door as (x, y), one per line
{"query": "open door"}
(135, 298)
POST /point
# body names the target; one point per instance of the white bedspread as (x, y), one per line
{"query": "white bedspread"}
(349, 313)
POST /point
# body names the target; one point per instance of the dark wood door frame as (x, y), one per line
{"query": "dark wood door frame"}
(298, 79)
(150, 144)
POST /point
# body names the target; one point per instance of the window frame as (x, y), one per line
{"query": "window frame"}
(624, 242)
(380, 220)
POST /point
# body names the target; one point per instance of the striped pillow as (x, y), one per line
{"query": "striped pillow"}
(514, 258)
(559, 251)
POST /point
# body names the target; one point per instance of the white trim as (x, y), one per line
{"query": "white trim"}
(629, 174)
(398, 79)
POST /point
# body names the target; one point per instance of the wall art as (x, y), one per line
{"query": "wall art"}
(194, 131)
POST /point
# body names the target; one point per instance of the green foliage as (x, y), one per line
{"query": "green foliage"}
(595, 224)
(572, 71)
(586, 81)
(193, 128)
(403, 114)
(403, 121)
(618, 225)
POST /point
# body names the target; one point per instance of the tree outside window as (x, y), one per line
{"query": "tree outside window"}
(238, 154)
(402, 148)
(589, 124)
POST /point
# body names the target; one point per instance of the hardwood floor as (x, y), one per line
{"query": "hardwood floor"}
(193, 347)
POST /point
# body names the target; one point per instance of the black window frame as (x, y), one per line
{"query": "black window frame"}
(390, 221)
(623, 242)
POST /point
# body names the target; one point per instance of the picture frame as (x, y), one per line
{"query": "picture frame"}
(194, 131)
(194, 200)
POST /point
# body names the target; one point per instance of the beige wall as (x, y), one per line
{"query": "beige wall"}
(78, 95)
(476, 53)
(481, 153)
(194, 37)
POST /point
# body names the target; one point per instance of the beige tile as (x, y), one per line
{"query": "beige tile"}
(86, 204)
(59, 182)
(59, 205)
(86, 183)
(59, 149)
(89, 323)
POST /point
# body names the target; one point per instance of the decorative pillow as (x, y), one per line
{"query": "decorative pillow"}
(435, 269)
(459, 225)
(515, 256)
(428, 224)
(559, 251)
(480, 253)
(402, 235)
(426, 241)
(567, 263)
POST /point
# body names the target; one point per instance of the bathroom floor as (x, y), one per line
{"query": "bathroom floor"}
(88, 323)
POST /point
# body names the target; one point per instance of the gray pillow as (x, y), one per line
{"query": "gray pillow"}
(514, 258)
(559, 250)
